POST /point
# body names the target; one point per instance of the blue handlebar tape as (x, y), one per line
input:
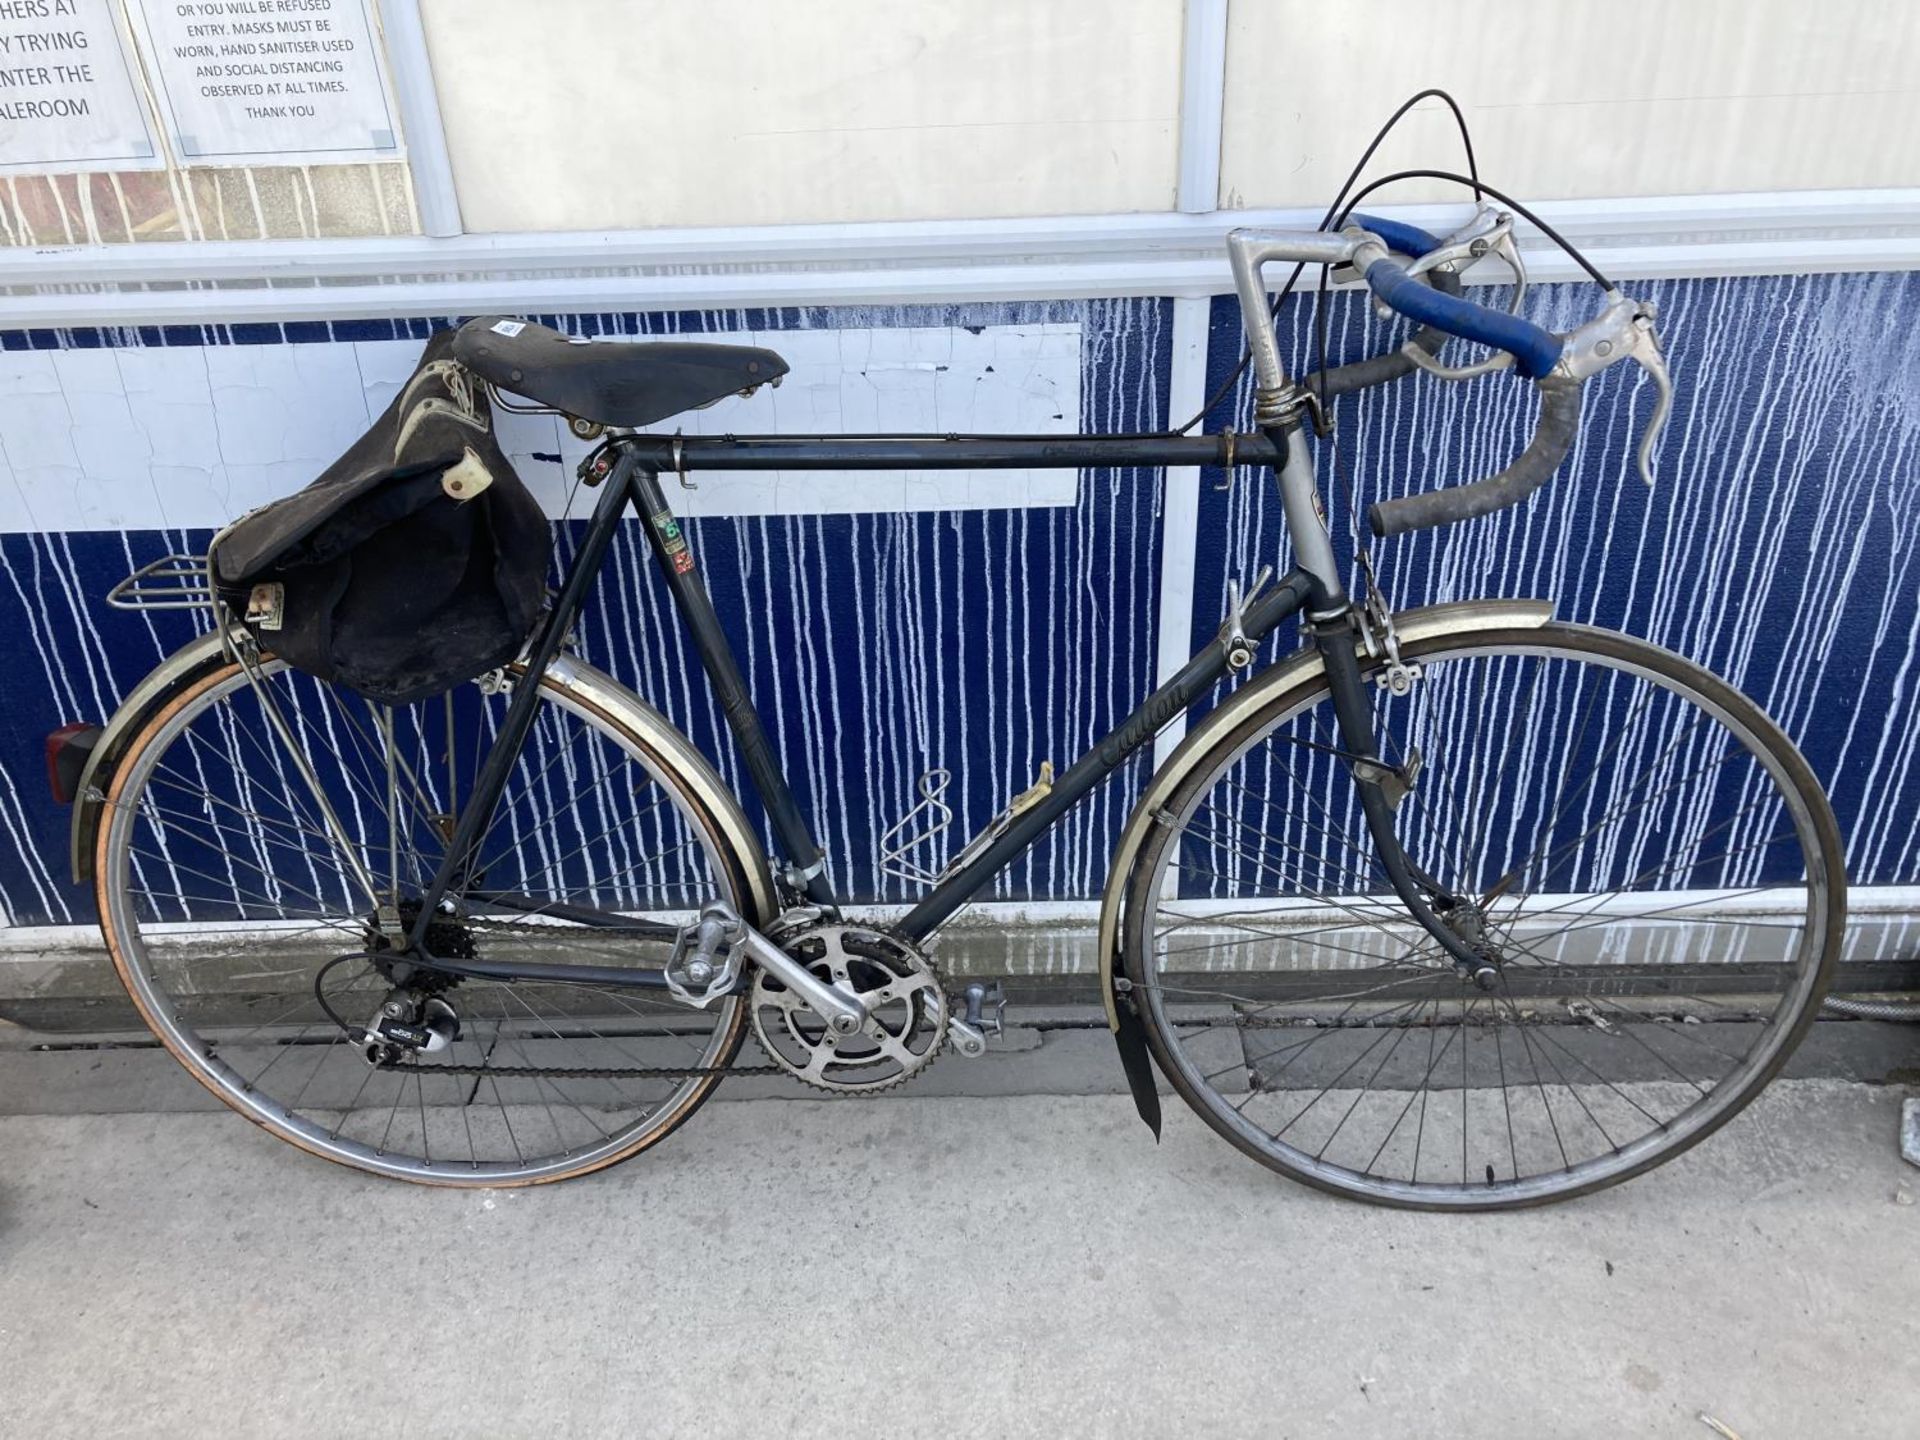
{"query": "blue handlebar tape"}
(1409, 240)
(1534, 350)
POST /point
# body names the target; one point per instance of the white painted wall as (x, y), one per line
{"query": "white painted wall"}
(592, 114)
(1575, 98)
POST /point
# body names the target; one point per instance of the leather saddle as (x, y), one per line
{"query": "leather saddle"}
(611, 382)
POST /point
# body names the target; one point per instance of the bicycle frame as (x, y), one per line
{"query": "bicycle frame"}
(638, 461)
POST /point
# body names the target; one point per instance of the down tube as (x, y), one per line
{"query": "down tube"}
(1193, 680)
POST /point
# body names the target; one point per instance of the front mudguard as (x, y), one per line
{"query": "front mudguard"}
(1305, 664)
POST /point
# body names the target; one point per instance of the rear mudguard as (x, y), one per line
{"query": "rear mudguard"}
(168, 679)
(1303, 665)
(570, 680)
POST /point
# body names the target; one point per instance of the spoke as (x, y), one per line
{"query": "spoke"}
(186, 785)
(1365, 855)
(216, 879)
(1506, 1099)
(1377, 922)
(1565, 1084)
(1464, 1011)
(1533, 1063)
(585, 845)
(1420, 1132)
(1256, 936)
(1593, 774)
(1400, 1033)
(1342, 1074)
(1613, 818)
(1418, 1093)
(1486, 800)
(1322, 1031)
(1260, 862)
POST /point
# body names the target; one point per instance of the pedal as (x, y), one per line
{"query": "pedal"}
(707, 957)
(982, 1007)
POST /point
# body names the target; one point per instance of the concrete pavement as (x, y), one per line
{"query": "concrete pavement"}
(942, 1266)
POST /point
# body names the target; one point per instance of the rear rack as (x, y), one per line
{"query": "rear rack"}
(173, 582)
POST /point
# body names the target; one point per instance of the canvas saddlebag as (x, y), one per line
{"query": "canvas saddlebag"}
(417, 561)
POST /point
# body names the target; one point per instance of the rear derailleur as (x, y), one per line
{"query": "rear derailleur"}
(415, 1017)
(407, 1022)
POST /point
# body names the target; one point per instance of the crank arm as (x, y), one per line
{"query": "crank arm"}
(844, 1014)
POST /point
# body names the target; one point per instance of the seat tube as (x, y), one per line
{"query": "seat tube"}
(805, 869)
(477, 815)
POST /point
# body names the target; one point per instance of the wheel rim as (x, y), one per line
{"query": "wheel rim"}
(1344, 1059)
(215, 851)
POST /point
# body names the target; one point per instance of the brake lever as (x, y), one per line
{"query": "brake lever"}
(1654, 361)
(1624, 331)
(1489, 233)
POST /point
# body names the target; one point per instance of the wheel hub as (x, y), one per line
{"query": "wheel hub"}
(1468, 921)
(446, 939)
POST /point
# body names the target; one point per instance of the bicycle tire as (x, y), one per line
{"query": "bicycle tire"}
(133, 923)
(1617, 666)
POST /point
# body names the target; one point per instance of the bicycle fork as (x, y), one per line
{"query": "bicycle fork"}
(1332, 618)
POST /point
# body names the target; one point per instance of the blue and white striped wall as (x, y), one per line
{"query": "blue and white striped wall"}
(987, 623)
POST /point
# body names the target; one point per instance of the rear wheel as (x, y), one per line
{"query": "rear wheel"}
(1648, 862)
(251, 889)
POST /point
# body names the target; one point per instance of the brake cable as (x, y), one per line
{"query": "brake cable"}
(1380, 135)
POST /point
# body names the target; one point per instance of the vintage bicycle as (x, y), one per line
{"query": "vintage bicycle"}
(1458, 907)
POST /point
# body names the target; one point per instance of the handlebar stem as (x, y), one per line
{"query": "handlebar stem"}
(1247, 252)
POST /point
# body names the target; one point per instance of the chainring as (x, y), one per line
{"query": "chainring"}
(898, 984)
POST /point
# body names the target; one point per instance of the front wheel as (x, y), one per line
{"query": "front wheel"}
(1646, 861)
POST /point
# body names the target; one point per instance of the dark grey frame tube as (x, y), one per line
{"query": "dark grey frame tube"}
(634, 478)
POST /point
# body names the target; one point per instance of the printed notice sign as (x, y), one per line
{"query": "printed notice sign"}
(262, 82)
(67, 96)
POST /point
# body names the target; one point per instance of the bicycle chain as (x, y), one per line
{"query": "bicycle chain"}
(583, 1072)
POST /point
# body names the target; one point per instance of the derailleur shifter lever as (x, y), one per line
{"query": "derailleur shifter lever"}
(1233, 631)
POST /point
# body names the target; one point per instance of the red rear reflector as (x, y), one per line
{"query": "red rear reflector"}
(68, 749)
